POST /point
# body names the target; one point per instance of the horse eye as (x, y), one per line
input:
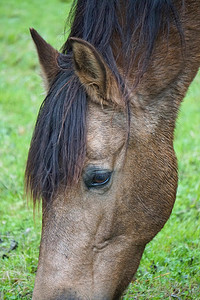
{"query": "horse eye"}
(97, 178)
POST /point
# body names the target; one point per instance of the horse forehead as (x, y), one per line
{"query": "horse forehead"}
(106, 131)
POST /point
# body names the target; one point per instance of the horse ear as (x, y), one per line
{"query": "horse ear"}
(94, 73)
(47, 58)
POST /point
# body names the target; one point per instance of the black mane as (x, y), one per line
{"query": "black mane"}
(96, 21)
(58, 146)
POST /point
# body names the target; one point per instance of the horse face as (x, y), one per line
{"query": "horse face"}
(94, 233)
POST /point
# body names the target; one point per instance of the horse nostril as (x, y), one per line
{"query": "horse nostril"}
(68, 295)
(100, 246)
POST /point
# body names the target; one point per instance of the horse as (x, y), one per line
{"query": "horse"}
(101, 157)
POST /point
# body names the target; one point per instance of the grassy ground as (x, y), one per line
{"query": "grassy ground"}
(170, 265)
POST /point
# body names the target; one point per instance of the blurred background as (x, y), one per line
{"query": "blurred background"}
(170, 265)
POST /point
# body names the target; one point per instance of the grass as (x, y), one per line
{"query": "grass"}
(170, 265)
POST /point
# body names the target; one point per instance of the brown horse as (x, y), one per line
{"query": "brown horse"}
(102, 156)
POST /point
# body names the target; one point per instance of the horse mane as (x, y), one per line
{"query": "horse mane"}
(58, 145)
(96, 21)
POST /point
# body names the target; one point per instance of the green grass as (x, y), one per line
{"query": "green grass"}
(170, 265)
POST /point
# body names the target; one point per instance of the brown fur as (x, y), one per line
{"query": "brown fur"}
(93, 240)
(48, 58)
